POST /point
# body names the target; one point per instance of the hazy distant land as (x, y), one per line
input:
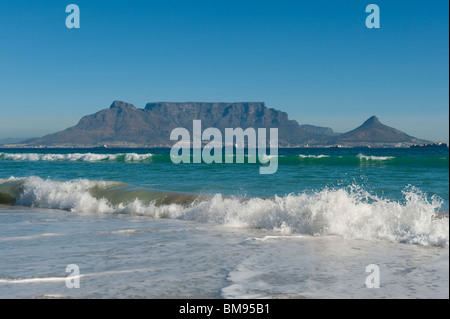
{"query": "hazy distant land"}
(124, 125)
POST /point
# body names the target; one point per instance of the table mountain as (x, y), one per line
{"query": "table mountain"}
(124, 125)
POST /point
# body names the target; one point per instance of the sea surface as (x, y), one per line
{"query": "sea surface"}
(136, 225)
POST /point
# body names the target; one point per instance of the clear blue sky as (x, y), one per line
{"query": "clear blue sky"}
(315, 60)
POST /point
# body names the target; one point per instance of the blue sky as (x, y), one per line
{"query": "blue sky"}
(315, 60)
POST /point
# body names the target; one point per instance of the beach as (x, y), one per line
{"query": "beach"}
(139, 226)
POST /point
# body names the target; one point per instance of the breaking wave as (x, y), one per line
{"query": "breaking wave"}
(75, 157)
(313, 156)
(374, 158)
(350, 212)
(355, 160)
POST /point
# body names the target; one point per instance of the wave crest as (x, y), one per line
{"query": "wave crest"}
(75, 157)
(350, 212)
(363, 157)
(313, 156)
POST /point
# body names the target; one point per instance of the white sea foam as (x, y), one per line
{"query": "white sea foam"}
(74, 157)
(330, 267)
(62, 279)
(127, 231)
(10, 179)
(348, 212)
(363, 157)
(32, 280)
(71, 195)
(313, 156)
(280, 237)
(31, 237)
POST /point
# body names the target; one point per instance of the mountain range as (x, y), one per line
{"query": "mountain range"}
(124, 125)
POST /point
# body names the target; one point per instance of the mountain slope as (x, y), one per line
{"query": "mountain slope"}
(122, 122)
(124, 125)
(372, 131)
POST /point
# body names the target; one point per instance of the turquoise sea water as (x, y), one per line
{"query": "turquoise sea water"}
(384, 172)
(139, 225)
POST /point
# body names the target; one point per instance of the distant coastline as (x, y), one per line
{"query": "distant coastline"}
(122, 125)
(98, 148)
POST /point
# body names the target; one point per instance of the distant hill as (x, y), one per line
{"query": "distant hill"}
(373, 132)
(124, 125)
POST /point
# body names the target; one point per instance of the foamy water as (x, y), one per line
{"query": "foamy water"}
(74, 157)
(313, 156)
(350, 212)
(140, 226)
(140, 257)
(374, 158)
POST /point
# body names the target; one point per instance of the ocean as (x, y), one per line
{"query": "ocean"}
(129, 223)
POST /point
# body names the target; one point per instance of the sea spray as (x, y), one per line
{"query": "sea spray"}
(350, 212)
(75, 157)
(363, 157)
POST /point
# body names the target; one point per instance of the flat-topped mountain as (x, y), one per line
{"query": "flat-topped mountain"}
(319, 130)
(124, 125)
